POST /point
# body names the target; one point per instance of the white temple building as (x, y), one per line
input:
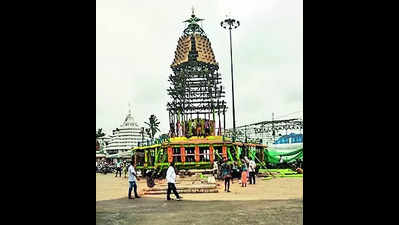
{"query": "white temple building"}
(103, 142)
(127, 136)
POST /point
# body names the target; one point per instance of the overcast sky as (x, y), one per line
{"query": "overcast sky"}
(136, 41)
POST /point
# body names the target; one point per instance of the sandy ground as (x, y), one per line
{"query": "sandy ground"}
(275, 201)
(109, 187)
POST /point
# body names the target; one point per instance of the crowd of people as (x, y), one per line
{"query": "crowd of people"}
(170, 178)
(228, 172)
(128, 169)
(121, 166)
(104, 166)
(222, 169)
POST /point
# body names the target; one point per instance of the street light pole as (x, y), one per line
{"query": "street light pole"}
(232, 82)
(231, 24)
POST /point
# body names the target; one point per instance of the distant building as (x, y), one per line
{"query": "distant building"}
(125, 137)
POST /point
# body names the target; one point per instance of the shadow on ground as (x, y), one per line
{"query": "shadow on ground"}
(158, 211)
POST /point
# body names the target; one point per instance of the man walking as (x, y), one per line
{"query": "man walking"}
(118, 169)
(132, 181)
(226, 173)
(252, 166)
(171, 179)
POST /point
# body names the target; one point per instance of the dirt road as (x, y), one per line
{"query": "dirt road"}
(275, 201)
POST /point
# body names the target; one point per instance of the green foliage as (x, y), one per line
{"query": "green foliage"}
(153, 126)
(100, 133)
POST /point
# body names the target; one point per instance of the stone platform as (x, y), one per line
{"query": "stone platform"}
(185, 184)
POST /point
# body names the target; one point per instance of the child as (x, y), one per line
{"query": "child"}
(125, 168)
(244, 175)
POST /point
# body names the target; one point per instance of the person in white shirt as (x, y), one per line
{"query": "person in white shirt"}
(132, 181)
(281, 165)
(171, 179)
(215, 169)
(252, 166)
(118, 169)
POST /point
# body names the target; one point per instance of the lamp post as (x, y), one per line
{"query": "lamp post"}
(231, 24)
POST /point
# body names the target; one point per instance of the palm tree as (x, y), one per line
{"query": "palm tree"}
(100, 133)
(97, 145)
(153, 126)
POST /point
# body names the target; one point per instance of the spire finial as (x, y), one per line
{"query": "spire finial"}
(193, 27)
(129, 108)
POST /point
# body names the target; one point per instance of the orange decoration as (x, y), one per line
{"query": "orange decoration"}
(182, 154)
(197, 156)
(170, 154)
(224, 152)
(211, 153)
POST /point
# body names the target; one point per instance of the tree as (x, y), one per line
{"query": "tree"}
(164, 136)
(152, 126)
(100, 133)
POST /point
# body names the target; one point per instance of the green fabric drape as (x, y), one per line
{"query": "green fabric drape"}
(252, 153)
(273, 156)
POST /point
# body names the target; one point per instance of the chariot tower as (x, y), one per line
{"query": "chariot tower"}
(196, 93)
